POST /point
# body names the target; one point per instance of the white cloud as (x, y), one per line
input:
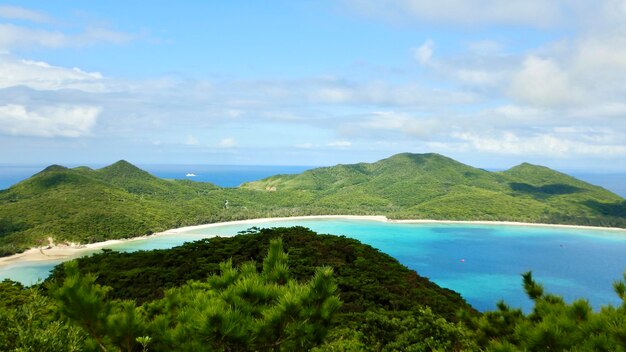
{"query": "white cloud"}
(584, 71)
(402, 123)
(477, 77)
(20, 13)
(457, 118)
(233, 113)
(334, 94)
(424, 53)
(485, 47)
(542, 82)
(513, 115)
(191, 140)
(227, 143)
(42, 76)
(13, 36)
(538, 13)
(383, 93)
(477, 67)
(48, 121)
(281, 115)
(340, 144)
(330, 90)
(609, 110)
(556, 144)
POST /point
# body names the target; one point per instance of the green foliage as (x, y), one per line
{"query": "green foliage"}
(28, 322)
(367, 279)
(111, 324)
(239, 309)
(82, 205)
(553, 325)
(417, 330)
(84, 302)
(144, 341)
(258, 302)
(12, 294)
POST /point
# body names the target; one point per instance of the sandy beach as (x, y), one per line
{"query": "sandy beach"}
(63, 251)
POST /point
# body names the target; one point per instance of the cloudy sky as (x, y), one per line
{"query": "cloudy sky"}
(491, 83)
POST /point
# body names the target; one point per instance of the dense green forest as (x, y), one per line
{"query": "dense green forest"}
(82, 205)
(282, 289)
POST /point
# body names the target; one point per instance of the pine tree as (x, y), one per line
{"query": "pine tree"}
(553, 324)
(28, 322)
(240, 309)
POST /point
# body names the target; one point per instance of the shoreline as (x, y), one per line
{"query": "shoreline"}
(60, 252)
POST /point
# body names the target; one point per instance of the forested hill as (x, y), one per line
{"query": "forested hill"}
(436, 187)
(121, 200)
(281, 289)
(360, 270)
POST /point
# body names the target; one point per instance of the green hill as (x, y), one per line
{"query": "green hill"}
(121, 200)
(360, 270)
(189, 298)
(84, 205)
(380, 298)
(437, 187)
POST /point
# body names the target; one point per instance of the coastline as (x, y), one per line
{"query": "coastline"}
(60, 252)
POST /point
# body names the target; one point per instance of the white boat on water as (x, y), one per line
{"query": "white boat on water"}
(190, 175)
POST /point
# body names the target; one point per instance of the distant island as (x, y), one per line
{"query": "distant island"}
(83, 205)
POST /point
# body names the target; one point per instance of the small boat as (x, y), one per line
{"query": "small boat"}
(190, 175)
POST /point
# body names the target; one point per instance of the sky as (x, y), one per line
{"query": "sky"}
(487, 82)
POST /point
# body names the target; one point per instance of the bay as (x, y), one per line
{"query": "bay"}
(482, 262)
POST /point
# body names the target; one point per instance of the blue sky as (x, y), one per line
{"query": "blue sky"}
(487, 82)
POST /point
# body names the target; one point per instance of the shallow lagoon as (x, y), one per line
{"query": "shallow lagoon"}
(482, 262)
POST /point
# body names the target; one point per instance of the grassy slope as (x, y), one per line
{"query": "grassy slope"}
(85, 205)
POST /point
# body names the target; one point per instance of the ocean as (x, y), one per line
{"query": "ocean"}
(614, 182)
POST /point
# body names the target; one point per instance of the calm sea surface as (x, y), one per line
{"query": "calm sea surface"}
(482, 262)
(614, 182)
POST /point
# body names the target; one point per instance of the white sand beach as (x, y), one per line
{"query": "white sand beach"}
(64, 251)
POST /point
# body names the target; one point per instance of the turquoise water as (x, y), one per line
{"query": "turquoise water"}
(482, 262)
